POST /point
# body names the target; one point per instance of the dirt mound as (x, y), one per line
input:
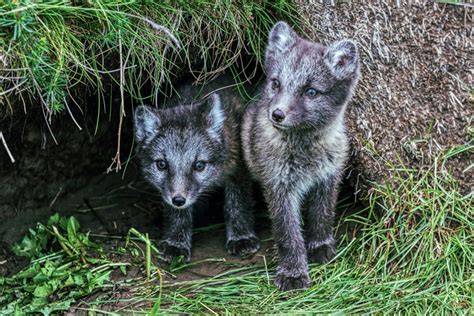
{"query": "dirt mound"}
(415, 97)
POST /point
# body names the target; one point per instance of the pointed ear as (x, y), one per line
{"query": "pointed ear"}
(280, 39)
(215, 116)
(146, 123)
(342, 58)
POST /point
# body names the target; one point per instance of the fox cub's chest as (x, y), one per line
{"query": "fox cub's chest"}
(281, 158)
(294, 158)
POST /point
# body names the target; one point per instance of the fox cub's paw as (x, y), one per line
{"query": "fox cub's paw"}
(243, 247)
(170, 249)
(321, 253)
(289, 281)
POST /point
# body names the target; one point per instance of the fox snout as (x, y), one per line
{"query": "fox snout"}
(278, 116)
(180, 197)
(279, 111)
(281, 117)
(178, 192)
(178, 200)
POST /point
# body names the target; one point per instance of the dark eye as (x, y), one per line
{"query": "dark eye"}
(161, 164)
(311, 92)
(275, 84)
(199, 165)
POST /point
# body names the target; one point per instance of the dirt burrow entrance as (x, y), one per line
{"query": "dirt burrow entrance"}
(71, 179)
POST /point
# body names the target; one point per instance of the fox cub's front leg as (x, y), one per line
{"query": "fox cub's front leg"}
(319, 206)
(292, 271)
(177, 235)
(239, 206)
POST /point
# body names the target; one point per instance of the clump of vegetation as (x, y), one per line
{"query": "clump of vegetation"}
(66, 265)
(60, 269)
(409, 251)
(49, 48)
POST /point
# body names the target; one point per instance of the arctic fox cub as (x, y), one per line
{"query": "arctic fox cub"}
(295, 145)
(189, 149)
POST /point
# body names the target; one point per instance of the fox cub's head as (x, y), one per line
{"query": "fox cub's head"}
(181, 149)
(308, 84)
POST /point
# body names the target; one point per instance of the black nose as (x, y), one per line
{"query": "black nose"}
(278, 116)
(178, 200)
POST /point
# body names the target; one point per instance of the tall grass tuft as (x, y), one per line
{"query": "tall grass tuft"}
(50, 48)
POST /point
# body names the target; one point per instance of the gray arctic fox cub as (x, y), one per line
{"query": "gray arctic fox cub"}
(188, 150)
(296, 147)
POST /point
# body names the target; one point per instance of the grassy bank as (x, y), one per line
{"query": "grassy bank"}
(409, 251)
(49, 49)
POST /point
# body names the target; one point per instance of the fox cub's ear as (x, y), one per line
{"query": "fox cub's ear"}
(146, 123)
(215, 116)
(342, 58)
(281, 38)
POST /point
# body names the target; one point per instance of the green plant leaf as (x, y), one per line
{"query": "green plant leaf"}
(72, 230)
(44, 290)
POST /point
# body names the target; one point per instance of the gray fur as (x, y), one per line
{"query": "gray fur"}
(299, 160)
(207, 131)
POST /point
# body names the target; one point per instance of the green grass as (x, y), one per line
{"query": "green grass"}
(55, 55)
(412, 255)
(410, 251)
(54, 278)
(54, 51)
